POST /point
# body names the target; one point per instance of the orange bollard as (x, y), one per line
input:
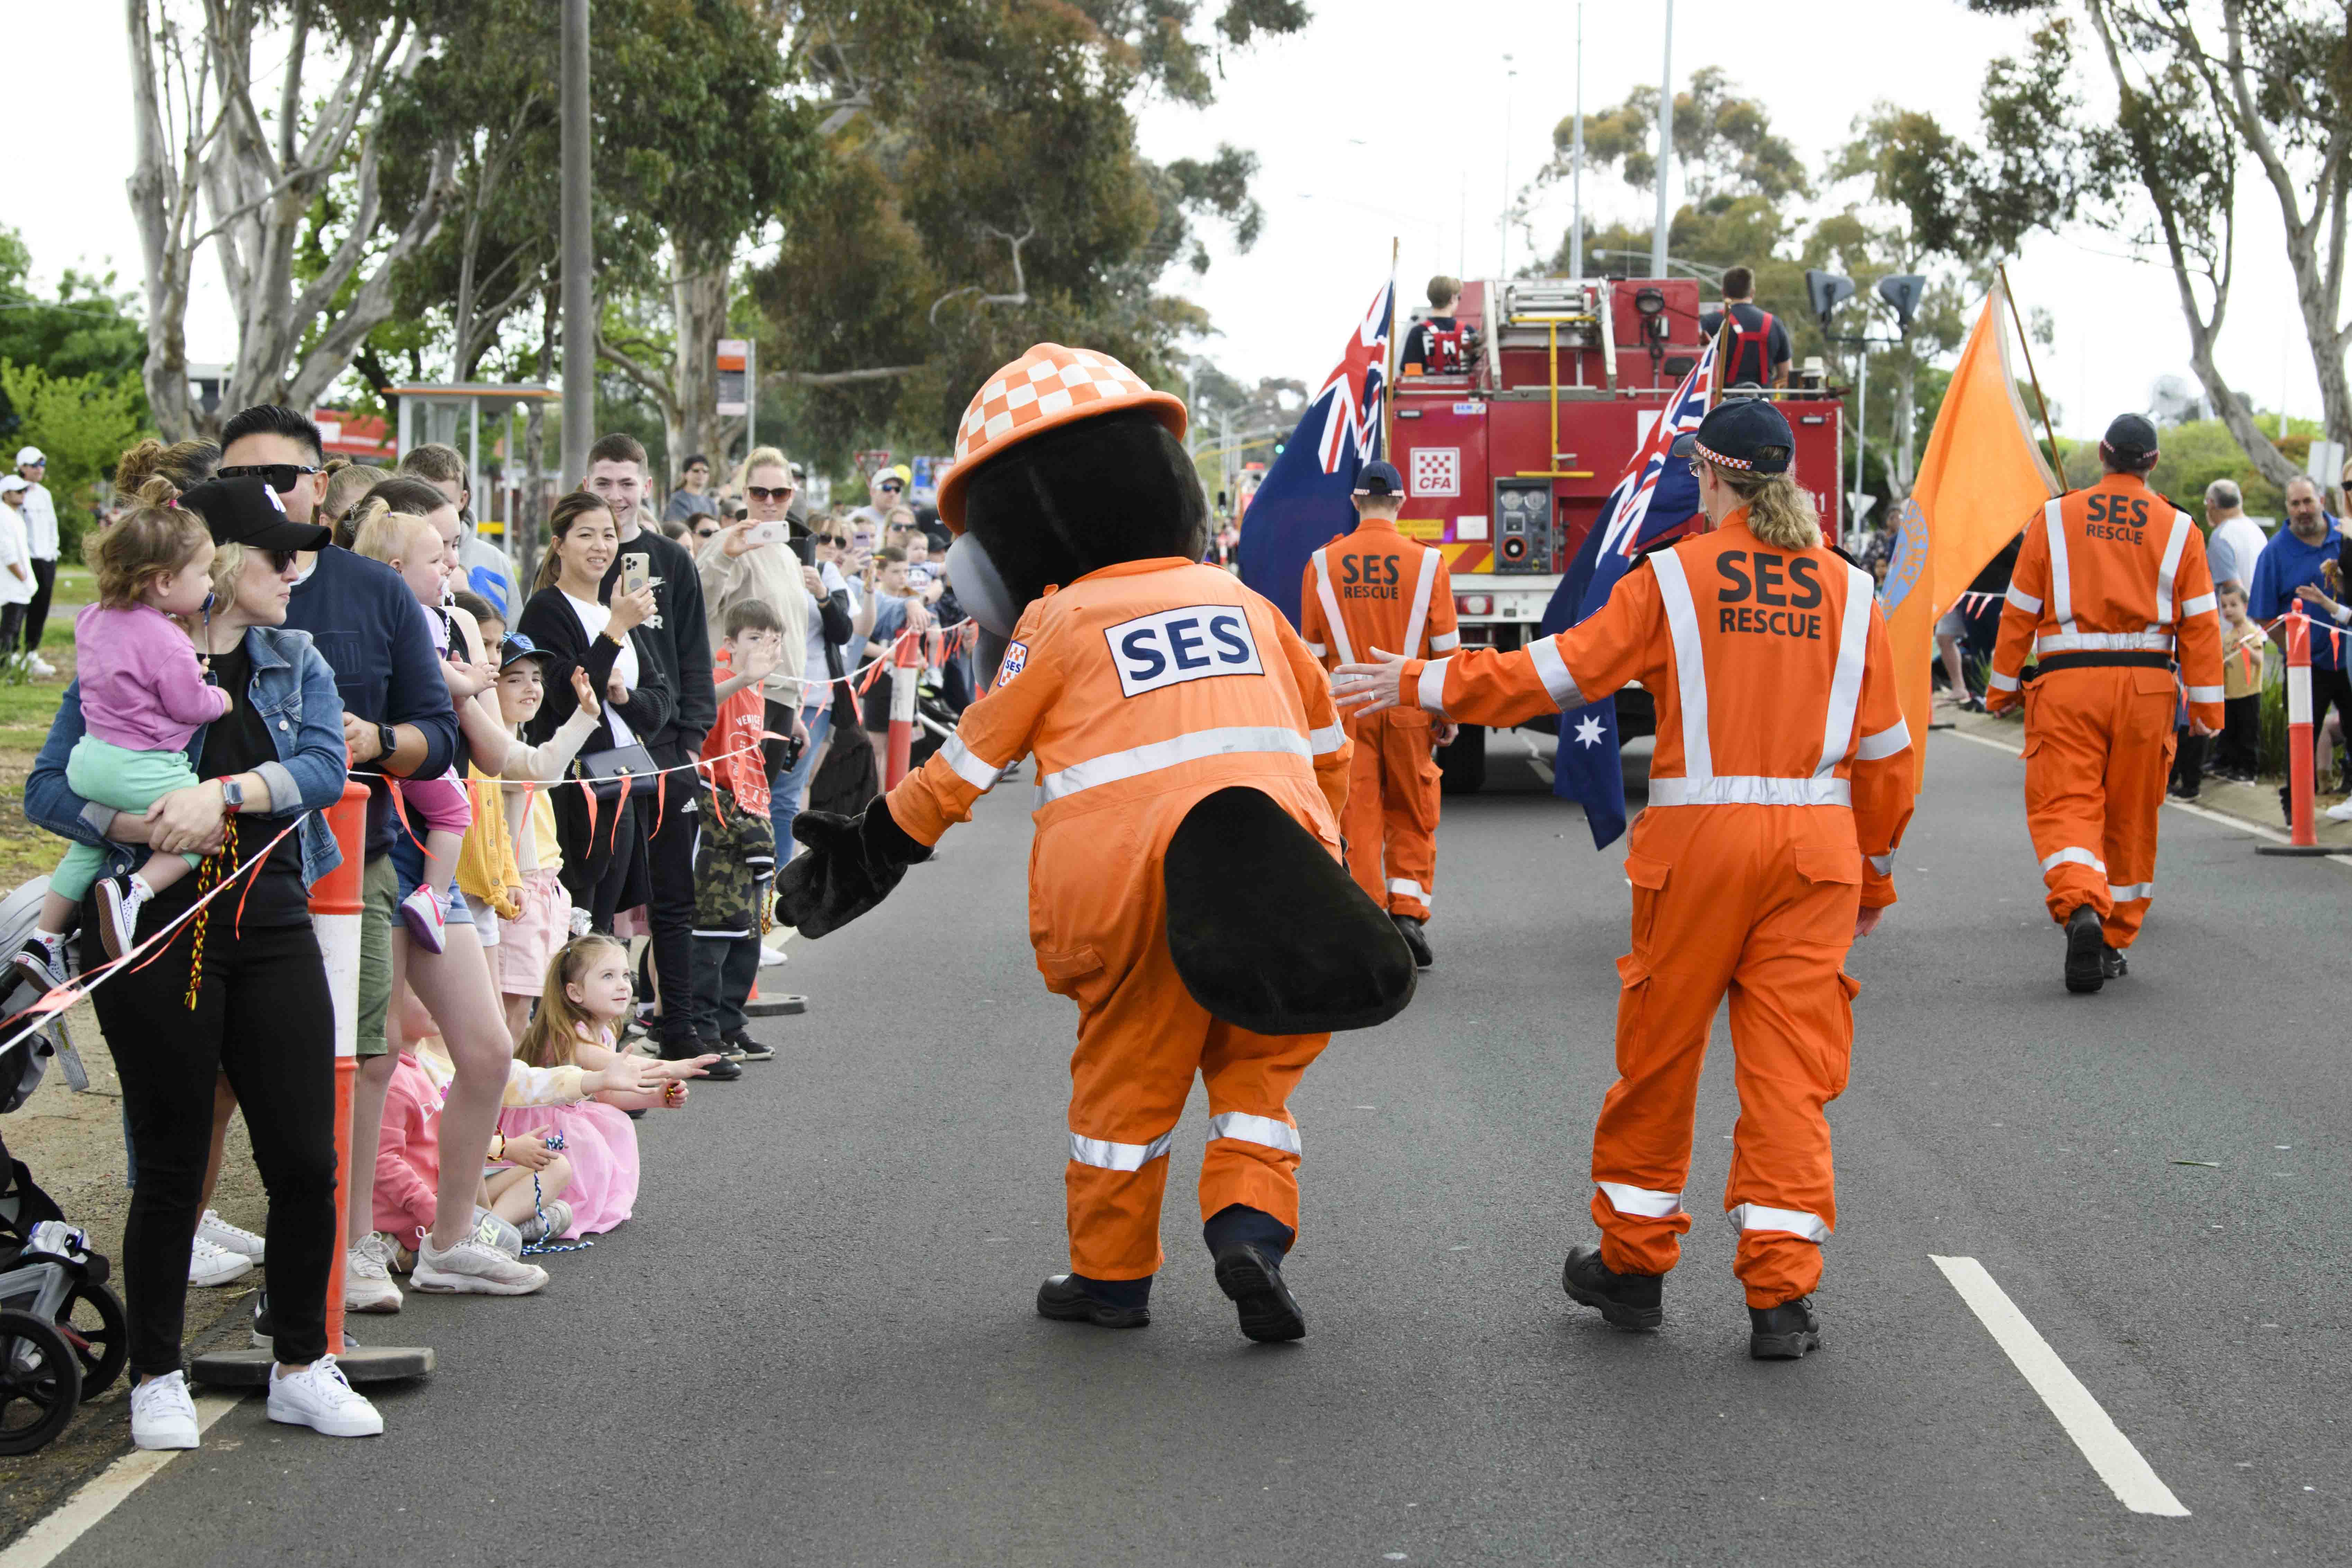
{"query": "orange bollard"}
(335, 903)
(2302, 832)
(906, 671)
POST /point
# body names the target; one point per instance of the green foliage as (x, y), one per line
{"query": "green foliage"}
(81, 424)
(1724, 144)
(83, 327)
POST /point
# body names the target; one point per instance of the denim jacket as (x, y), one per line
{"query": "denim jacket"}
(293, 690)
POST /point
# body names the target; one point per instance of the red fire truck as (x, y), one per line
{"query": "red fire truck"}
(1509, 458)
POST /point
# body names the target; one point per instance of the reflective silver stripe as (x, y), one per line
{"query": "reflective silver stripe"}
(1737, 790)
(2061, 589)
(1113, 766)
(1318, 650)
(1338, 627)
(1445, 642)
(1746, 1217)
(2207, 694)
(1324, 742)
(2182, 528)
(2002, 682)
(1248, 1129)
(1642, 1201)
(1552, 670)
(1433, 686)
(1690, 664)
(1846, 686)
(2202, 605)
(2105, 642)
(2073, 856)
(969, 768)
(1420, 619)
(1105, 1155)
(1896, 737)
(2130, 892)
(2024, 600)
(1883, 864)
(1410, 889)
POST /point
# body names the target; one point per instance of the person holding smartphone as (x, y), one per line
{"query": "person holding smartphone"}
(754, 559)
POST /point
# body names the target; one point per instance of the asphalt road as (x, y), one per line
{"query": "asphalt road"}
(815, 1343)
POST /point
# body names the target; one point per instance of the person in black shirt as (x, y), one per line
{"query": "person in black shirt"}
(1436, 345)
(1758, 352)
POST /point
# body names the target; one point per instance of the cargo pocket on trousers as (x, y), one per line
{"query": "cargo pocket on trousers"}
(1632, 998)
(1840, 1056)
(1648, 878)
(1063, 970)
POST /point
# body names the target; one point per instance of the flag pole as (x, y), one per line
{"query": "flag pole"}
(2057, 462)
(1388, 356)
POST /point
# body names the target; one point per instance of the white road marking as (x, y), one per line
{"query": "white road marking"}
(102, 1494)
(2111, 1453)
(1535, 757)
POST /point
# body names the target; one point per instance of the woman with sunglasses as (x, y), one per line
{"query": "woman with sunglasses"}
(741, 564)
(240, 989)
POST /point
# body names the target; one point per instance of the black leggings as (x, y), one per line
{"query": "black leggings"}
(264, 1017)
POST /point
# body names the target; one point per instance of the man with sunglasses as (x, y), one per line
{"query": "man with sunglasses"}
(884, 493)
(691, 502)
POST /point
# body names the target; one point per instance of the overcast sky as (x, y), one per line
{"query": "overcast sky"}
(1375, 123)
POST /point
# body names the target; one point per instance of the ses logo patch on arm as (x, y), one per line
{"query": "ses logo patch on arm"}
(1167, 647)
(1016, 659)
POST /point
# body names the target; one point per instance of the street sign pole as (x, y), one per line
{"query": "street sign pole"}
(579, 252)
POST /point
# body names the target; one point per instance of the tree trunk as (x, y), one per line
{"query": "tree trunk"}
(698, 290)
(159, 203)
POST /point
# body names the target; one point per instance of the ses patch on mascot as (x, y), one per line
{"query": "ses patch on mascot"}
(1186, 888)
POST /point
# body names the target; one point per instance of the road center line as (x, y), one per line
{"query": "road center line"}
(102, 1494)
(2111, 1453)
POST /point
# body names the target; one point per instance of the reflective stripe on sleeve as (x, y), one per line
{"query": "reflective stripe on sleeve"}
(1445, 642)
(1641, 1201)
(967, 767)
(1113, 766)
(1883, 864)
(1896, 737)
(2202, 605)
(1420, 617)
(2170, 570)
(2024, 600)
(1431, 693)
(1324, 742)
(2130, 892)
(1105, 1155)
(1318, 650)
(2207, 694)
(1331, 601)
(1734, 789)
(1745, 1217)
(1552, 670)
(2072, 855)
(1248, 1129)
(1846, 685)
(2002, 682)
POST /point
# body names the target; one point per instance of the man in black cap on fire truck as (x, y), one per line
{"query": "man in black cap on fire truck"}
(1758, 352)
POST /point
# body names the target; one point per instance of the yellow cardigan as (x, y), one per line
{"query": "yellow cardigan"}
(486, 861)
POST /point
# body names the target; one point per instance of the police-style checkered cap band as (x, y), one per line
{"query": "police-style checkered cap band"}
(1047, 382)
(1717, 458)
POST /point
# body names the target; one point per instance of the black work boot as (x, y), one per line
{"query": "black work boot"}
(1626, 1300)
(2113, 964)
(1785, 1333)
(1074, 1298)
(1417, 940)
(1249, 1245)
(2085, 949)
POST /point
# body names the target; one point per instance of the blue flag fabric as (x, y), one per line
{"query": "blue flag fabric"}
(1302, 504)
(1656, 497)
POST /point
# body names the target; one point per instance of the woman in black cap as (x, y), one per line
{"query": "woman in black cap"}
(240, 989)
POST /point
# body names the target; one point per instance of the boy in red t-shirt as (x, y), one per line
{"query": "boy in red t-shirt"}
(736, 858)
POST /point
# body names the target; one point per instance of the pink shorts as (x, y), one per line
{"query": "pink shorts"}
(527, 945)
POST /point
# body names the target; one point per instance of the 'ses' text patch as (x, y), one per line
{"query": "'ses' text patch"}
(1168, 646)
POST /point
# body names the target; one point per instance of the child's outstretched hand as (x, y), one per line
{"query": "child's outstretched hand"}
(628, 1074)
(583, 689)
(683, 1068)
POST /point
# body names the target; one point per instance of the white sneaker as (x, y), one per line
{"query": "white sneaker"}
(162, 1414)
(367, 1276)
(770, 957)
(426, 919)
(320, 1398)
(558, 1220)
(42, 671)
(2340, 812)
(209, 1265)
(229, 1238)
(474, 1268)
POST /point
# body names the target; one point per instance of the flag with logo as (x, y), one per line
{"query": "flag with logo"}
(1656, 499)
(1981, 479)
(1304, 503)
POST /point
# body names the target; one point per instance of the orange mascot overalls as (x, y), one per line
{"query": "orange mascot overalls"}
(1184, 887)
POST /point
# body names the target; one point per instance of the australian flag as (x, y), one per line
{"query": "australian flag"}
(1303, 503)
(1656, 498)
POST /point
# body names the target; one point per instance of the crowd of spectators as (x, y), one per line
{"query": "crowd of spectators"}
(578, 792)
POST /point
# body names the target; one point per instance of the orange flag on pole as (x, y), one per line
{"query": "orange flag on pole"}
(1982, 477)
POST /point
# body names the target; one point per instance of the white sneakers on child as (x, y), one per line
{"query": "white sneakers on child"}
(473, 1267)
(558, 1220)
(320, 1398)
(120, 900)
(162, 1414)
(423, 913)
(367, 1276)
(211, 1264)
(229, 1238)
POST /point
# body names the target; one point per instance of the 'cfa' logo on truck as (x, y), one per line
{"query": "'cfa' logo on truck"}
(1437, 471)
(1169, 647)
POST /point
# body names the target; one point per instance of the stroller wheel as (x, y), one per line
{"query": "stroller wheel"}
(40, 1383)
(93, 1326)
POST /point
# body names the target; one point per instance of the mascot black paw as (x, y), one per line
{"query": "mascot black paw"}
(850, 865)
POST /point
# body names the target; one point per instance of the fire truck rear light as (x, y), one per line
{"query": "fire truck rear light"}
(1473, 603)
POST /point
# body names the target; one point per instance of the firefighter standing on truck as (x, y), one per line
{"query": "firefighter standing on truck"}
(2111, 583)
(1758, 351)
(1377, 591)
(1780, 786)
(1437, 345)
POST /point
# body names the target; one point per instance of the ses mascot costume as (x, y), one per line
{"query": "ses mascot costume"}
(1185, 888)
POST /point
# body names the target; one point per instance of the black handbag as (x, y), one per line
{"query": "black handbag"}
(625, 773)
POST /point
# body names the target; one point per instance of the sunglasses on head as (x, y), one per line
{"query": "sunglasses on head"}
(279, 476)
(761, 492)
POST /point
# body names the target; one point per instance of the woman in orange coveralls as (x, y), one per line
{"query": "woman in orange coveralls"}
(1779, 790)
(1185, 888)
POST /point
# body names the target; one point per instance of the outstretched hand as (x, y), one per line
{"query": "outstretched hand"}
(1361, 689)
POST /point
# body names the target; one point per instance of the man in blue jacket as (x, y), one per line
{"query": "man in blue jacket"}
(2291, 561)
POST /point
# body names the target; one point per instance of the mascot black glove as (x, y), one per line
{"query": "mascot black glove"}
(850, 865)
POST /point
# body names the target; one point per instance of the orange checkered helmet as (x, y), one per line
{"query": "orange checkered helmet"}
(1049, 385)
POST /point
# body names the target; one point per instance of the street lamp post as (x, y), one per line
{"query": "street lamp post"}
(579, 251)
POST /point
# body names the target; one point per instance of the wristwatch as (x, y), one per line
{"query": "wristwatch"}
(387, 739)
(232, 794)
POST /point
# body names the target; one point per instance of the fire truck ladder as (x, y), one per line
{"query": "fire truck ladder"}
(1552, 308)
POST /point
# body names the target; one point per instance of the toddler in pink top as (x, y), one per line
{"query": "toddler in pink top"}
(144, 696)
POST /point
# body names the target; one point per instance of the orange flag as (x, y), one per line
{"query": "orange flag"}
(1981, 479)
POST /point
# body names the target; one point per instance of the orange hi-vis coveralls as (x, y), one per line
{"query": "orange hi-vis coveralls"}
(1779, 790)
(1377, 589)
(1140, 688)
(2111, 583)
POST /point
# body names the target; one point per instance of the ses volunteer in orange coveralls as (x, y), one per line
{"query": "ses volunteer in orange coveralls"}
(2107, 581)
(1779, 790)
(1377, 591)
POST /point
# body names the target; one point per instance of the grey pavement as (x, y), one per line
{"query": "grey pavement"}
(815, 1342)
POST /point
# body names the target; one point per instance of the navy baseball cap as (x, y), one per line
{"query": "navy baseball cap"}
(2131, 439)
(1746, 434)
(519, 646)
(1379, 479)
